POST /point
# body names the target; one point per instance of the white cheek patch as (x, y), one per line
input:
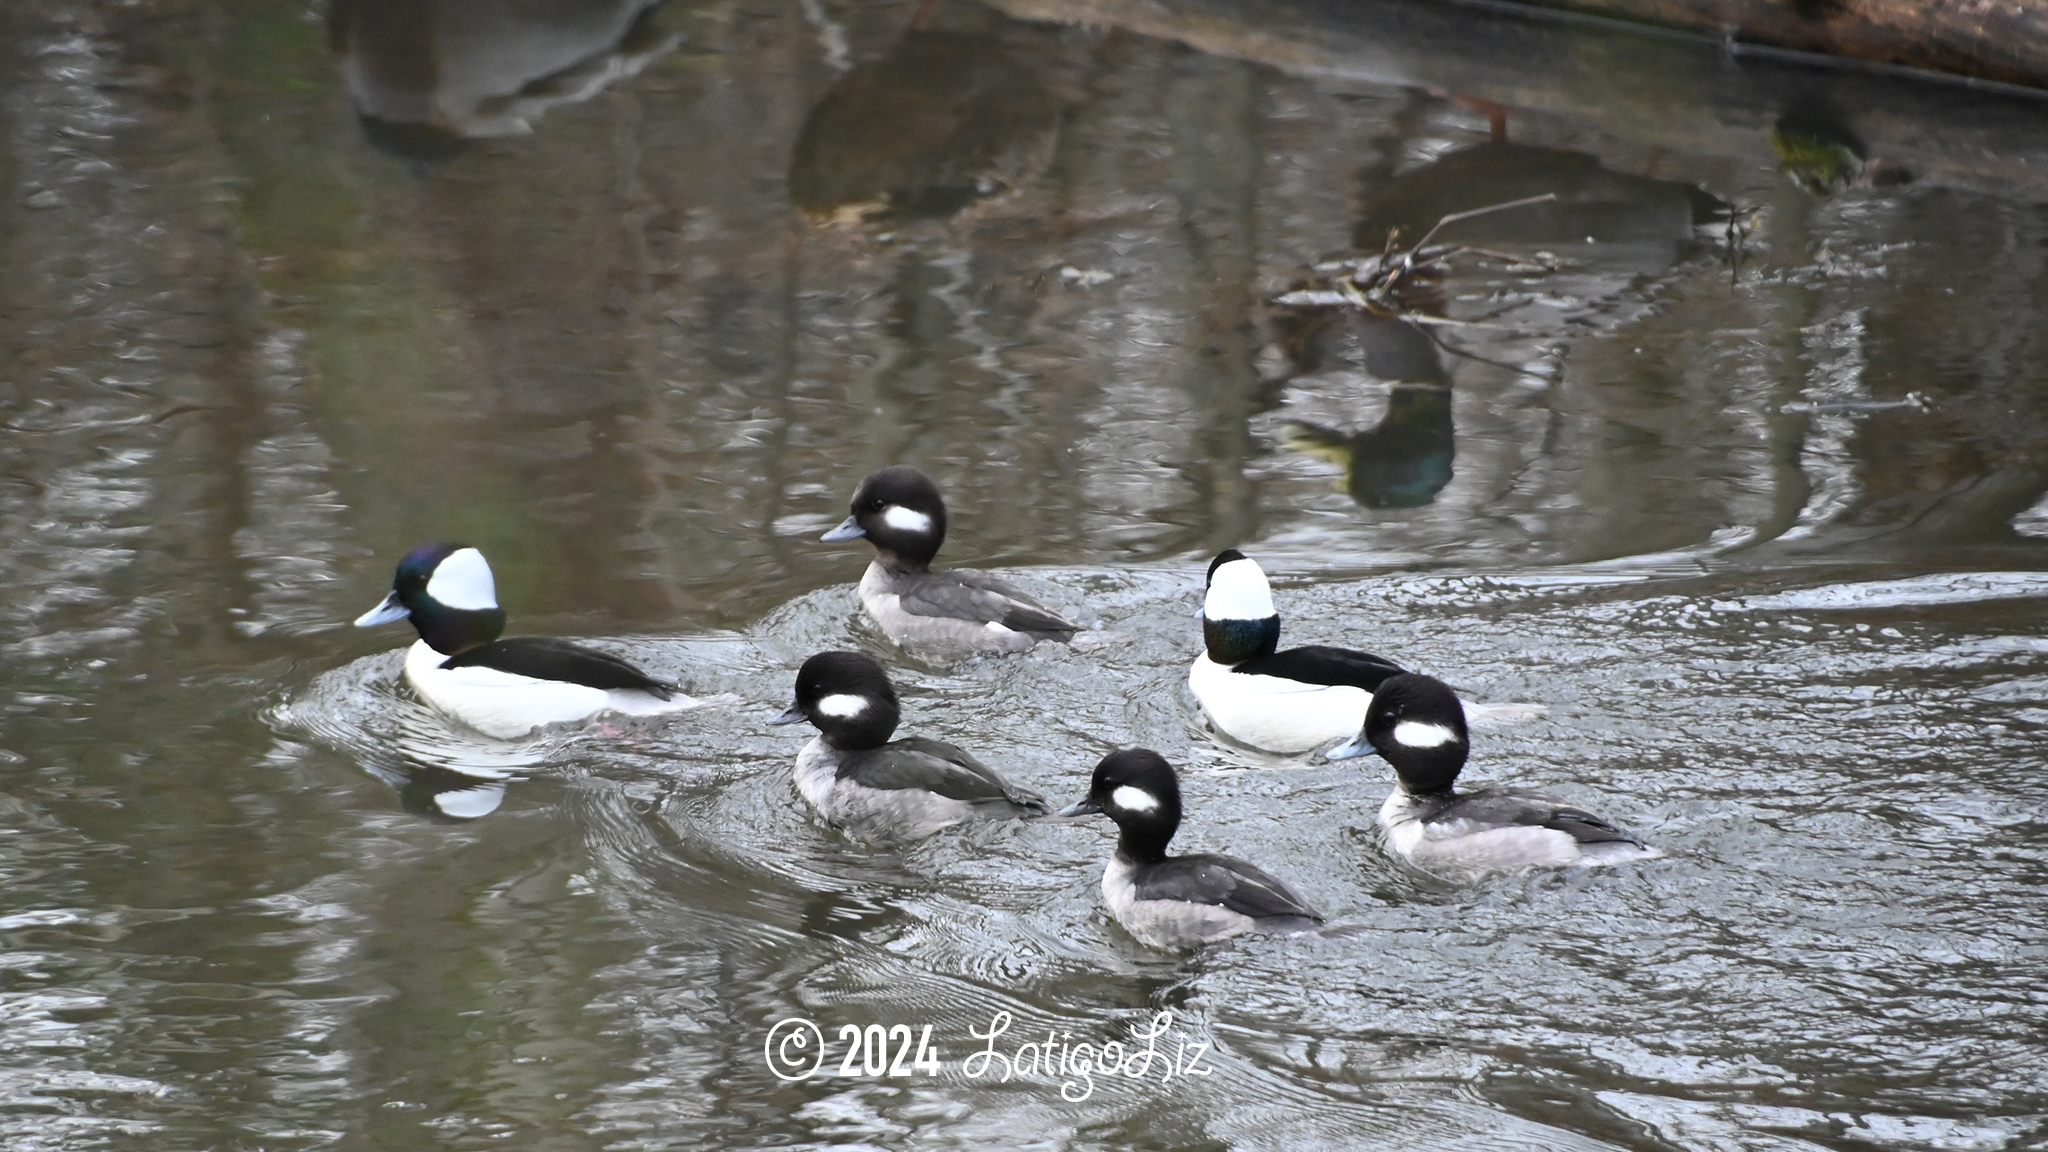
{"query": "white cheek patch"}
(843, 705)
(1415, 734)
(1132, 799)
(1238, 591)
(905, 519)
(463, 580)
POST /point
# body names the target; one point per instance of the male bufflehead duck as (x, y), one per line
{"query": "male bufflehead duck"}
(859, 779)
(1177, 901)
(899, 510)
(1288, 701)
(1418, 724)
(503, 688)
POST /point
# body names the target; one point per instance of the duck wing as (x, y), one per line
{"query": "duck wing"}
(935, 766)
(1319, 664)
(1239, 885)
(963, 593)
(1495, 807)
(551, 658)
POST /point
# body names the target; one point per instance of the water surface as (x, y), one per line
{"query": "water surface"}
(1730, 463)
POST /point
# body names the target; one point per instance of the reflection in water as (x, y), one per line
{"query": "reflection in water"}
(1639, 225)
(1595, 204)
(1819, 152)
(427, 76)
(949, 116)
(1405, 459)
(1401, 462)
(440, 769)
(440, 794)
(245, 357)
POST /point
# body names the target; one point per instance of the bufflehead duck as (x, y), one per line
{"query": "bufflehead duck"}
(859, 779)
(1288, 701)
(503, 688)
(1177, 901)
(900, 512)
(1418, 724)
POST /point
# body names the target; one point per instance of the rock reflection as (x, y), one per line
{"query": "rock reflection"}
(949, 116)
(428, 77)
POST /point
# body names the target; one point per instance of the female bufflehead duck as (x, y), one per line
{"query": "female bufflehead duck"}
(1177, 901)
(899, 510)
(502, 688)
(1417, 723)
(858, 778)
(1288, 701)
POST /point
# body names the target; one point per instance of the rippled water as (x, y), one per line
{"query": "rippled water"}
(1727, 471)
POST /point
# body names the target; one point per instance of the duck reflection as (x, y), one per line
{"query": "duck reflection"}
(1404, 460)
(1650, 221)
(428, 76)
(444, 773)
(444, 795)
(949, 116)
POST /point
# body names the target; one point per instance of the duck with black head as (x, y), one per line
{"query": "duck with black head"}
(501, 687)
(1418, 724)
(900, 512)
(1177, 901)
(878, 788)
(1272, 700)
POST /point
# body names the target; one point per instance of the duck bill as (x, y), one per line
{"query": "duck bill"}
(790, 715)
(1085, 806)
(384, 613)
(1352, 749)
(849, 529)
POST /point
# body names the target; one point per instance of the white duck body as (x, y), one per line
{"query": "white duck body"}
(501, 687)
(507, 705)
(1287, 702)
(1274, 713)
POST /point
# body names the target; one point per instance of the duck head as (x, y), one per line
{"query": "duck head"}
(1238, 617)
(1418, 724)
(900, 512)
(447, 591)
(848, 698)
(1138, 789)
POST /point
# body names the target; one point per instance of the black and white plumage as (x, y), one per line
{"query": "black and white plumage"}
(900, 512)
(501, 687)
(859, 779)
(1418, 725)
(1177, 901)
(1277, 701)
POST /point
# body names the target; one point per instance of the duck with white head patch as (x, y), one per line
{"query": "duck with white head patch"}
(501, 687)
(1418, 724)
(1177, 901)
(1275, 701)
(877, 788)
(899, 511)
